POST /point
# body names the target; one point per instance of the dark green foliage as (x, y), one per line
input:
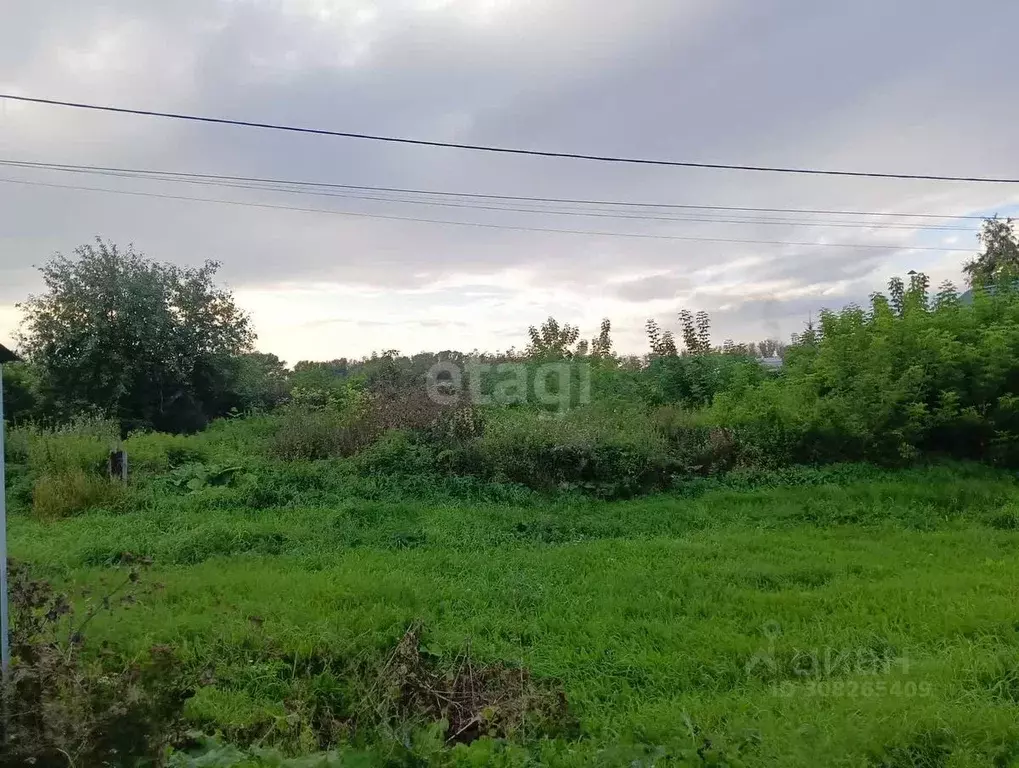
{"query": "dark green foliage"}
(149, 344)
(1000, 260)
(908, 376)
(693, 381)
(552, 340)
(63, 706)
(306, 434)
(21, 392)
(254, 381)
(662, 343)
(600, 451)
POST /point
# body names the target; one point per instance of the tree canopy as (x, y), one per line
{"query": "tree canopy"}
(1000, 258)
(145, 342)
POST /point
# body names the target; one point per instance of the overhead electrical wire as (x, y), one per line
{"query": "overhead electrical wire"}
(518, 198)
(482, 225)
(506, 150)
(317, 189)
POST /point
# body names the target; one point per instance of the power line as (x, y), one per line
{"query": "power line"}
(506, 150)
(482, 225)
(282, 185)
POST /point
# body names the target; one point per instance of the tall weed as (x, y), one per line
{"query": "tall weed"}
(80, 444)
(72, 492)
(612, 453)
(158, 452)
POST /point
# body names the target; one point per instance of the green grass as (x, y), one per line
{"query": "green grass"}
(646, 612)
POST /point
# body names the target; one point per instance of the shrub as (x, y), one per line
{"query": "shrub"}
(305, 434)
(16, 444)
(396, 453)
(905, 377)
(78, 445)
(158, 452)
(693, 380)
(67, 453)
(237, 436)
(612, 453)
(321, 433)
(61, 709)
(411, 409)
(71, 492)
(697, 445)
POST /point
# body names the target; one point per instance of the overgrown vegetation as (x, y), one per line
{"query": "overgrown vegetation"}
(560, 556)
(62, 707)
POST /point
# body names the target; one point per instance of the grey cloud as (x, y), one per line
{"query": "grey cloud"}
(882, 86)
(654, 287)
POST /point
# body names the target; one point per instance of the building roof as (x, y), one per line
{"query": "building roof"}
(6, 356)
(990, 288)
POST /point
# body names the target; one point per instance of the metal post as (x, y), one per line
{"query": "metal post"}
(5, 648)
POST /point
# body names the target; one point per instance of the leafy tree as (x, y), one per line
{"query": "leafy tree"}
(552, 340)
(703, 333)
(903, 377)
(918, 296)
(145, 342)
(692, 381)
(696, 332)
(21, 392)
(897, 294)
(947, 297)
(689, 331)
(1001, 253)
(260, 382)
(601, 345)
(662, 343)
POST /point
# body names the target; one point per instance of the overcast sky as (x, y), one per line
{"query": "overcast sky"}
(913, 86)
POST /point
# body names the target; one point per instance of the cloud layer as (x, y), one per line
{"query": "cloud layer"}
(910, 86)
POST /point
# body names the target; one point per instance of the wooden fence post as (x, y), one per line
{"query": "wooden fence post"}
(118, 465)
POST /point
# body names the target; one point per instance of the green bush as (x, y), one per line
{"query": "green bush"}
(234, 437)
(158, 452)
(396, 452)
(310, 434)
(16, 442)
(697, 445)
(321, 433)
(693, 380)
(83, 444)
(904, 378)
(72, 492)
(612, 453)
(64, 705)
(21, 392)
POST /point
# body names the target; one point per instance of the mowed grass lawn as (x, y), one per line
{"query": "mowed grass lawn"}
(860, 623)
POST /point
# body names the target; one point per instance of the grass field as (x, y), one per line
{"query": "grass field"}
(845, 617)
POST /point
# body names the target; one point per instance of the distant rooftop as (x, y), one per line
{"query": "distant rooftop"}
(770, 362)
(6, 356)
(991, 289)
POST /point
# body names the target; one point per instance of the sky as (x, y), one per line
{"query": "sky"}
(914, 86)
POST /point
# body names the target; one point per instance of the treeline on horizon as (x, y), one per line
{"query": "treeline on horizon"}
(155, 346)
(915, 373)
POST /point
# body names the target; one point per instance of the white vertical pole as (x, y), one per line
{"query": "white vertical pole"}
(5, 648)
